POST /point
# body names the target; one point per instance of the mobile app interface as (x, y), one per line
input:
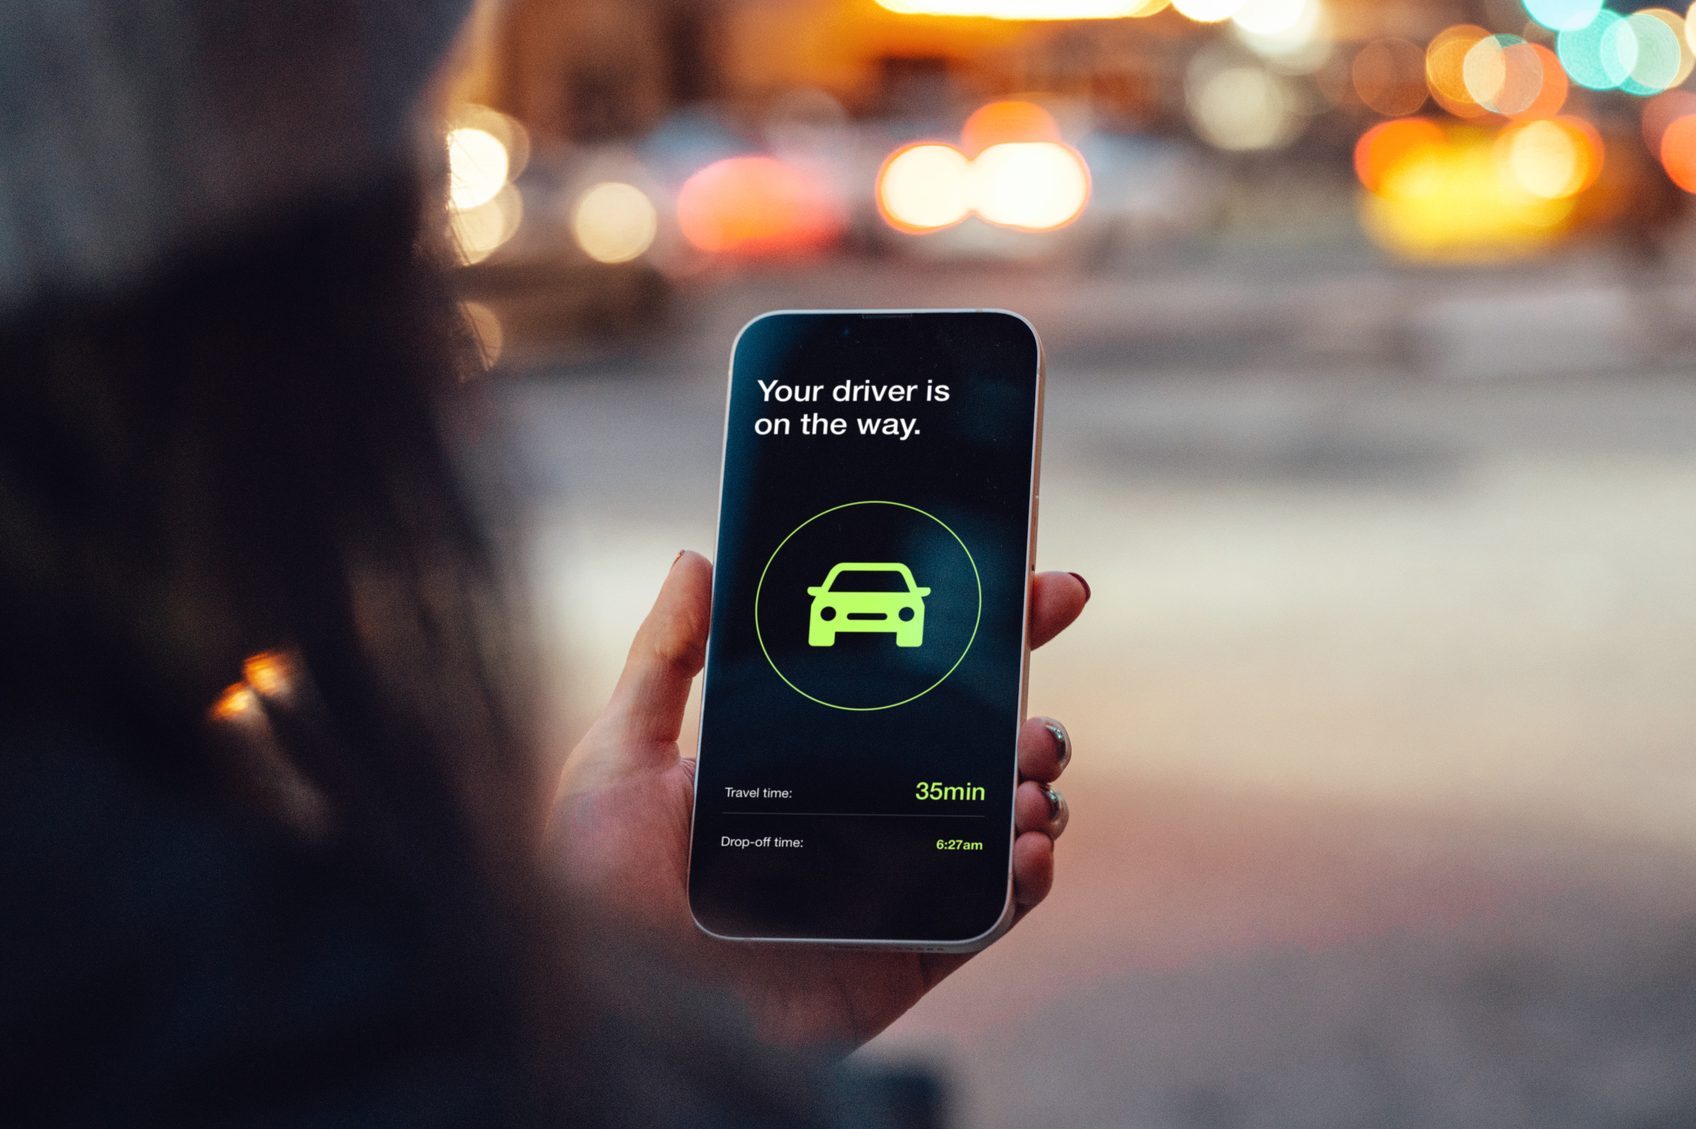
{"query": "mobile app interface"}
(861, 709)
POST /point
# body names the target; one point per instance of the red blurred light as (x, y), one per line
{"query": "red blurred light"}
(757, 206)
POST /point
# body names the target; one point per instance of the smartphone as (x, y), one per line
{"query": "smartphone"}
(866, 667)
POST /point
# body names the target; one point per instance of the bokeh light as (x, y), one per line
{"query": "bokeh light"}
(1391, 145)
(1389, 77)
(1551, 159)
(236, 701)
(1563, 15)
(1552, 93)
(614, 222)
(1502, 73)
(1241, 108)
(1208, 11)
(1654, 54)
(269, 673)
(1661, 111)
(757, 206)
(478, 166)
(1275, 17)
(1030, 185)
(1291, 33)
(479, 232)
(1445, 69)
(1680, 31)
(1019, 9)
(925, 187)
(1446, 198)
(1678, 152)
(1592, 54)
(1011, 120)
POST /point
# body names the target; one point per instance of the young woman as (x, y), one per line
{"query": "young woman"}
(273, 847)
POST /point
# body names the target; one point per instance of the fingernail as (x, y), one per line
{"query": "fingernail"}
(1084, 582)
(1055, 802)
(1062, 740)
(680, 553)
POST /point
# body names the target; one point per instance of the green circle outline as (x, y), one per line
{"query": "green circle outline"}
(977, 579)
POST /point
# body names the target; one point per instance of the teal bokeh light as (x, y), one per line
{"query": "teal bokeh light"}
(1600, 54)
(1563, 15)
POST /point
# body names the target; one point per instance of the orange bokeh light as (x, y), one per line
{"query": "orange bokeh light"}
(757, 206)
(1661, 111)
(1389, 145)
(1389, 77)
(1552, 95)
(1445, 69)
(1678, 152)
(1001, 123)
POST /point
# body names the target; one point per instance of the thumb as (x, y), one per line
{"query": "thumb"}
(644, 718)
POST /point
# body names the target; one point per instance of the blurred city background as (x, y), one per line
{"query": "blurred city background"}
(1372, 423)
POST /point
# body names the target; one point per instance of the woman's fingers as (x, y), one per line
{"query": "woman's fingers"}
(1057, 598)
(1045, 749)
(1040, 807)
(1033, 868)
(643, 719)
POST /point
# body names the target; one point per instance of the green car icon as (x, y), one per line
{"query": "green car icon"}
(867, 597)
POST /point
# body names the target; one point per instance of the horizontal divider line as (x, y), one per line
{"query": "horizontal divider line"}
(870, 814)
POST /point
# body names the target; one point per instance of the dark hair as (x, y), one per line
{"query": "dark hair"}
(246, 455)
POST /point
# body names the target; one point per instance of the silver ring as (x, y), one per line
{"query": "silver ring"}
(1062, 741)
(1058, 812)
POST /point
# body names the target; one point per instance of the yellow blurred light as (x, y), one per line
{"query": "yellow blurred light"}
(757, 206)
(1208, 11)
(999, 122)
(1690, 27)
(1388, 146)
(509, 131)
(614, 222)
(1445, 67)
(268, 672)
(925, 187)
(479, 232)
(1291, 33)
(1020, 9)
(1274, 17)
(1030, 185)
(1389, 76)
(236, 701)
(1551, 159)
(1242, 109)
(1678, 152)
(1449, 201)
(478, 166)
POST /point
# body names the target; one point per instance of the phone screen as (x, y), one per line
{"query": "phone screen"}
(865, 670)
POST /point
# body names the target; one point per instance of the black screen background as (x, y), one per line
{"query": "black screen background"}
(868, 877)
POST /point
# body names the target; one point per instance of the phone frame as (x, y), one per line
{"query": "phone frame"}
(1005, 921)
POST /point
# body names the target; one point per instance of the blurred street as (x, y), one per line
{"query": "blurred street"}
(1383, 704)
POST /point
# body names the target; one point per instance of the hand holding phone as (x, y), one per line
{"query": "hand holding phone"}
(622, 823)
(621, 832)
